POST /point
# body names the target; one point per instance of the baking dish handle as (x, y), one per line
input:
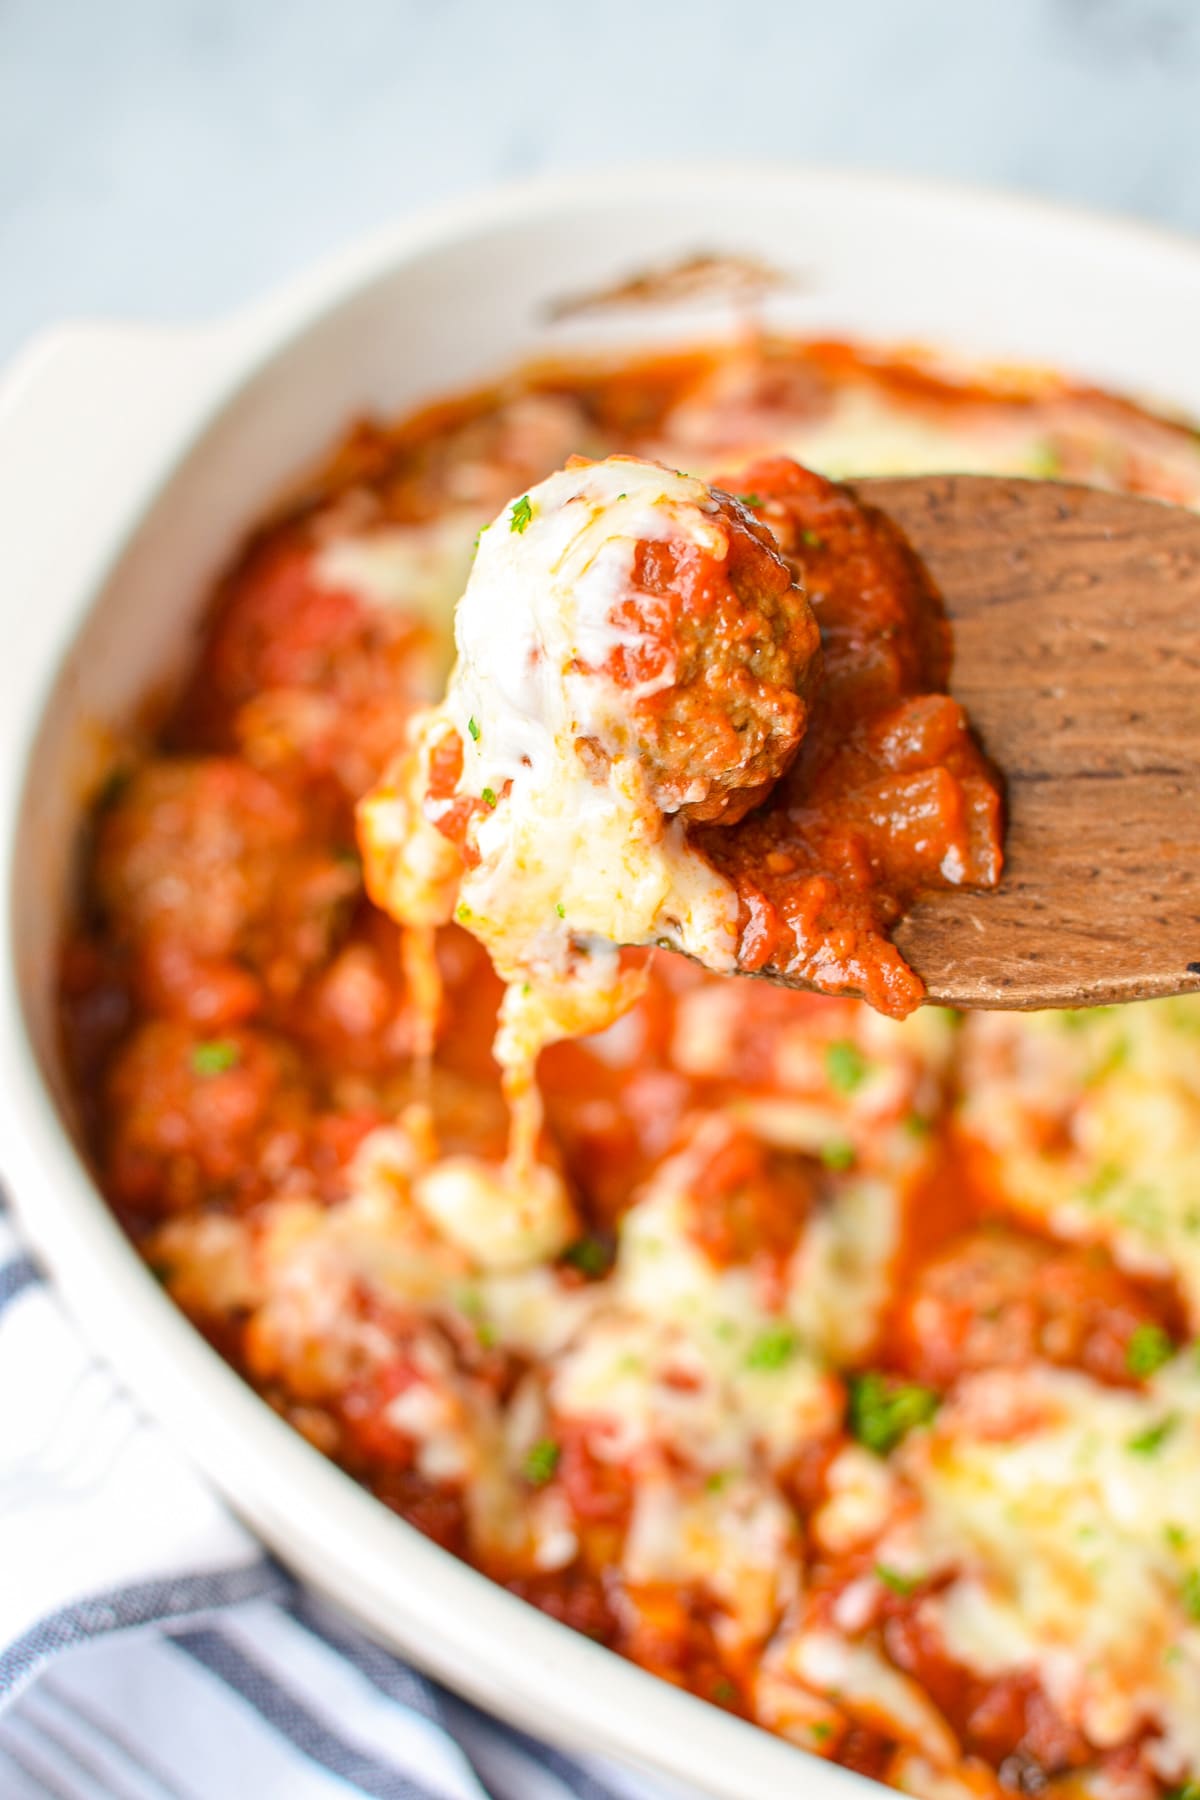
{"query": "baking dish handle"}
(88, 414)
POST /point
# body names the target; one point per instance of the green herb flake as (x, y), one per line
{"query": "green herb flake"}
(590, 1255)
(485, 1335)
(1045, 462)
(560, 909)
(904, 1585)
(916, 1125)
(1151, 1441)
(820, 1730)
(838, 1154)
(882, 1412)
(521, 514)
(813, 539)
(462, 912)
(541, 1462)
(1108, 1176)
(1176, 1536)
(488, 796)
(724, 1692)
(772, 1348)
(750, 500)
(1190, 1789)
(215, 1057)
(718, 1481)
(1190, 1595)
(1114, 1058)
(473, 728)
(1148, 1349)
(845, 1065)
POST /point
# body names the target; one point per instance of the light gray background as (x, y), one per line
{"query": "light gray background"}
(166, 158)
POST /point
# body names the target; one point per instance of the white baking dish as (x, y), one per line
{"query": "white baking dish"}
(131, 458)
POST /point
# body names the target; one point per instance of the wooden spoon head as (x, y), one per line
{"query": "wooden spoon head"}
(1076, 619)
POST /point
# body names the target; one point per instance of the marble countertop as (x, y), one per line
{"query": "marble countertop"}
(168, 158)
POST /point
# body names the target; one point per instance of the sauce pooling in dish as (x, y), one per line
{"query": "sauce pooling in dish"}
(841, 1368)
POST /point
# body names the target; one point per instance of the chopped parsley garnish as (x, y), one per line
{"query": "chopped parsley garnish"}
(724, 1692)
(462, 912)
(883, 1411)
(590, 1255)
(838, 1154)
(1150, 1441)
(485, 1335)
(1190, 1789)
(717, 1481)
(541, 1462)
(1106, 1178)
(488, 796)
(216, 1057)
(1190, 1595)
(522, 512)
(772, 1348)
(904, 1585)
(1115, 1057)
(750, 500)
(845, 1065)
(819, 1730)
(813, 539)
(917, 1125)
(473, 728)
(1176, 1536)
(1045, 462)
(560, 909)
(1148, 1349)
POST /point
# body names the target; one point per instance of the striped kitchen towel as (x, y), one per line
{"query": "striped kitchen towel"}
(151, 1650)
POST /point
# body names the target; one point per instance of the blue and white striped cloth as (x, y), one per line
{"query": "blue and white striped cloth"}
(151, 1650)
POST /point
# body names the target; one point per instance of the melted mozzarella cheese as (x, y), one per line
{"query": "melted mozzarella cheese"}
(737, 1540)
(408, 568)
(674, 1359)
(1068, 1511)
(572, 857)
(1094, 1119)
(569, 856)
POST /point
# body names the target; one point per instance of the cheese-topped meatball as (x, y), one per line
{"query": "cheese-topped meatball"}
(633, 656)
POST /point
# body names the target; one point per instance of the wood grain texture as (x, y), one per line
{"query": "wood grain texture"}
(1076, 618)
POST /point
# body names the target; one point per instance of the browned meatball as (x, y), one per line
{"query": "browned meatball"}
(1002, 1297)
(720, 661)
(214, 875)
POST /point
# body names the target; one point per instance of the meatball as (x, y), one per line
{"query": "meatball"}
(1000, 1298)
(633, 658)
(657, 614)
(194, 1119)
(215, 878)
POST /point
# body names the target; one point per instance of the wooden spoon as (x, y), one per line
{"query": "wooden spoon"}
(1076, 620)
